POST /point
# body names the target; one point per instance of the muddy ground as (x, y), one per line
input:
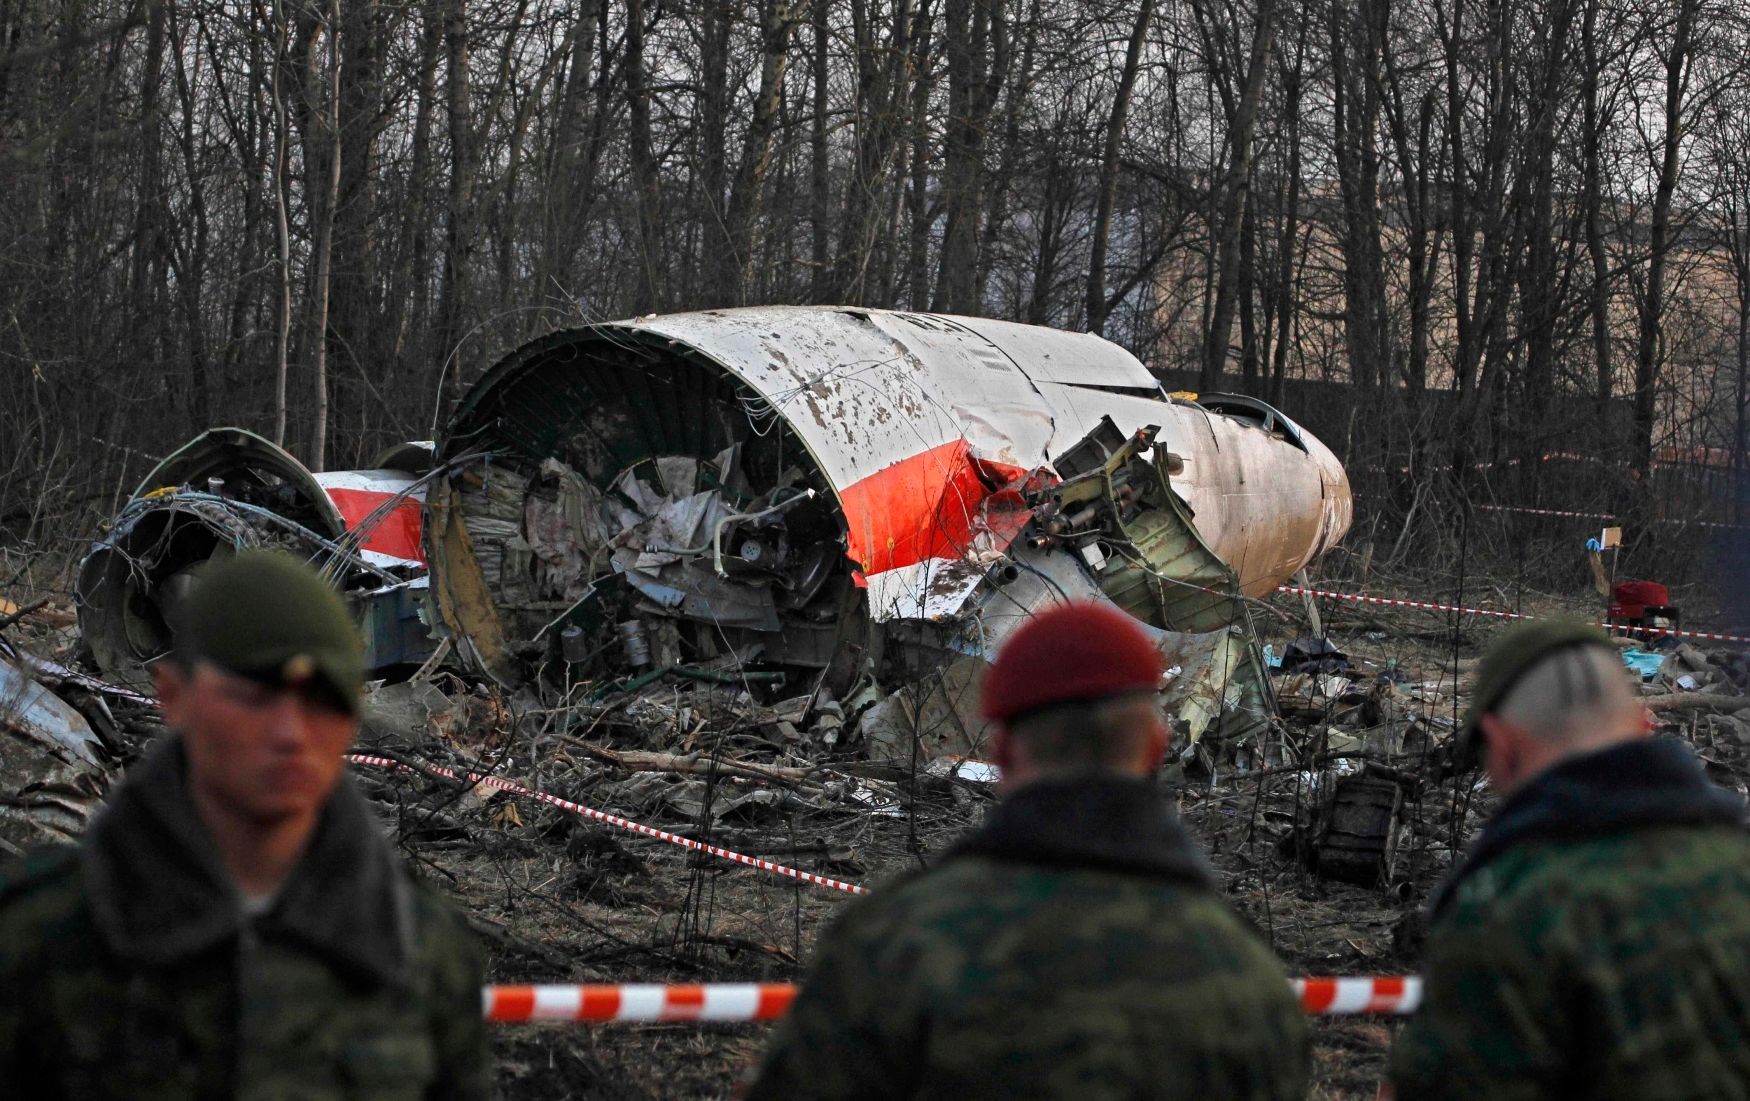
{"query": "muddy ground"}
(561, 899)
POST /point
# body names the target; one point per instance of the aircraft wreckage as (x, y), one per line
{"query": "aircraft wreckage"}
(861, 501)
(852, 505)
(229, 488)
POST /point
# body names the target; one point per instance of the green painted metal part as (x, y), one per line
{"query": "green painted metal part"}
(1160, 570)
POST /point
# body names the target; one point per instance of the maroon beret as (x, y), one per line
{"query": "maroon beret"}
(1070, 652)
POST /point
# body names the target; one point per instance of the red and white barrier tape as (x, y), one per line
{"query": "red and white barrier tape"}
(723, 1001)
(616, 820)
(1431, 606)
(1391, 994)
(1674, 521)
(1425, 605)
(1319, 997)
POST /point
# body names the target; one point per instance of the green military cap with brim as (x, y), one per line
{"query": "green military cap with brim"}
(1514, 653)
(271, 618)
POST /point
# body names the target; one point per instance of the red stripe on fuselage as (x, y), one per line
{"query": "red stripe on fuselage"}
(399, 533)
(929, 506)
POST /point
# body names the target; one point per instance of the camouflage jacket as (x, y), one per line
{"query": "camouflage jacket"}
(129, 970)
(1071, 948)
(1596, 943)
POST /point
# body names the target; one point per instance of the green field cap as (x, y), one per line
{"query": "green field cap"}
(1514, 653)
(269, 617)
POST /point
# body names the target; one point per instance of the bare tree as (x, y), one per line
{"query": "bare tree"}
(1097, 306)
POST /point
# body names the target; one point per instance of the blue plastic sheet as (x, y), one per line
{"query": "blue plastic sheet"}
(1643, 663)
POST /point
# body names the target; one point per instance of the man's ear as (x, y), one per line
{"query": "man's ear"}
(1500, 748)
(1002, 747)
(170, 681)
(1160, 736)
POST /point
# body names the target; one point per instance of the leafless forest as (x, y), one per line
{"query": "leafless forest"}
(1494, 251)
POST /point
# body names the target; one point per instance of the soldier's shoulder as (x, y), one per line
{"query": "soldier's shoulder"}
(46, 875)
(1555, 871)
(42, 907)
(919, 906)
(443, 932)
(901, 898)
(1557, 890)
(434, 911)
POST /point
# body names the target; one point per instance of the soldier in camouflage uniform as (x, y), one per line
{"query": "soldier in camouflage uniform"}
(1073, 947)
(1596, 941)
(234, 924)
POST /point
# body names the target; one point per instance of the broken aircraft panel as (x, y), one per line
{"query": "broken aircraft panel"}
(228, 489)
(52, 765)
(762, 485)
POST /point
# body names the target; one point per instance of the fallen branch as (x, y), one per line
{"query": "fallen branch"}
(692, 764)
(18, 613)
(1705, 701)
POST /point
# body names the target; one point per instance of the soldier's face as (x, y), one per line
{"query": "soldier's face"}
(258, 752)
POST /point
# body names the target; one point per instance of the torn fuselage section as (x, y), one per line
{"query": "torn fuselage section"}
(861, 503)
(1118, 515)
(625, 514)
(227, 490)
(1114, 529)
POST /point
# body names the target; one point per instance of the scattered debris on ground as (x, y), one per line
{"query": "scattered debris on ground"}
(1328, 827)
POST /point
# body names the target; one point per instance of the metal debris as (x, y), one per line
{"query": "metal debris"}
(863, 503)
(53, 767)
(1358, 836)
(228, 489)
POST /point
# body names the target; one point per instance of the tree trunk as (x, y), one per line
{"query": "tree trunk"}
(711, 22)
(1235, 194)
(756, 154)
(819, 175)
(355, 319)
(456, 308)
(1355, 58)
(282, 223)
(1095, 300)
(190, 256)
(1650, 349)
(1009, 150)
(1288, 232)
(325, 250)
(149, 237)
(918, 203)
(880, 70)
(1592, 199)
(575, 152)
(977, 52)
(646, 295)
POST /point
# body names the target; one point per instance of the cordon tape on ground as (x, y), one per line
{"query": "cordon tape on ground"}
(1563, 514)
(1432, 606)
(766, 1001)
(649, 1002)
(613, 820)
